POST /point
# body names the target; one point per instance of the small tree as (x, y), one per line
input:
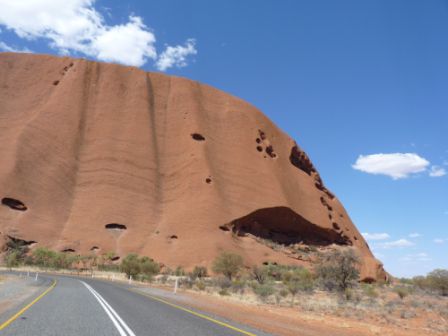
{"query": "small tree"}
(130, 265)
(338, 269)
(149, 267)
(438, 281)
(228, 264)
(260, 274)
(198, 272)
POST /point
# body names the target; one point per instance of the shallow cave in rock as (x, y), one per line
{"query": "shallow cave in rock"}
(14, 243)
(14, 204)
(284, 226)
(67, 250)
(115, 226)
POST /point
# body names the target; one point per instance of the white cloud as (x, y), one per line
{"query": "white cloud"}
(437, 171)
(6, 47)
(75, 26)
(375, 236)
(414, 235)
(439, 241)
(395, 165)
(416, 257)
(129, 44)
(176, 56)
(396, 243)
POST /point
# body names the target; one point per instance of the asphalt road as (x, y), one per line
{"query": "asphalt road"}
(77, 306)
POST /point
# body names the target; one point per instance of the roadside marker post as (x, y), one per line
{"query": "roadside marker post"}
(28, 274)
(176, 285)
(130, 279)
(113, 277)
(37, 275)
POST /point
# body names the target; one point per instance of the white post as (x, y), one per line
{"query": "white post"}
(37, 275)
(130, 279)
(176, 285)
(28, 274)
(113, 277)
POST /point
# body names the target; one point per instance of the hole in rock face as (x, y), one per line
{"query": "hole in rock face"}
(259, 148)
(208, 180)
(14, 204)
(336, 226)
(68, 250)
(115, 226)
(262, 135)
(355, 238)
(56, 82)
(284, 226)
(115, 258)
(197, 137)
(94, 248)
(270, 151)
(173, 237)
(224, 228)
(258, 140)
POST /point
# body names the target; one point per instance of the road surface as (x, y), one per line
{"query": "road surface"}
(79, 306)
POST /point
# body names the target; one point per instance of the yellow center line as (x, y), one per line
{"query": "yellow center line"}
(24, 309)
(223, 324)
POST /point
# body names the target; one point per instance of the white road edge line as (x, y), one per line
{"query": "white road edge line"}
(115, 318)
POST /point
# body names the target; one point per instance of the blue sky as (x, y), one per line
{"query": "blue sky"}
(360, 85)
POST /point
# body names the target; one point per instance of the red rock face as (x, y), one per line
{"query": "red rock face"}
(111, 158)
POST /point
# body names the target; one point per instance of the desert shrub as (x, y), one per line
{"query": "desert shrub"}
(179, 271)
(296, 280)
(12, 259)
(238, 286)
(264, 291)
(201, 285)
(222, 282)
(370, 291)
(438, 281)
(401, 291)
(198, 272)
(228, 264)
(259, 274)
(275, 272)
(338, 269)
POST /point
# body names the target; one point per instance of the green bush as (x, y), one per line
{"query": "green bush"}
(12, 259)
(264, 291)
(369, 291)
(438, 281)
(228, 264)
(143, 268)
(338, 269)
(401, 291)
(298, 279)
